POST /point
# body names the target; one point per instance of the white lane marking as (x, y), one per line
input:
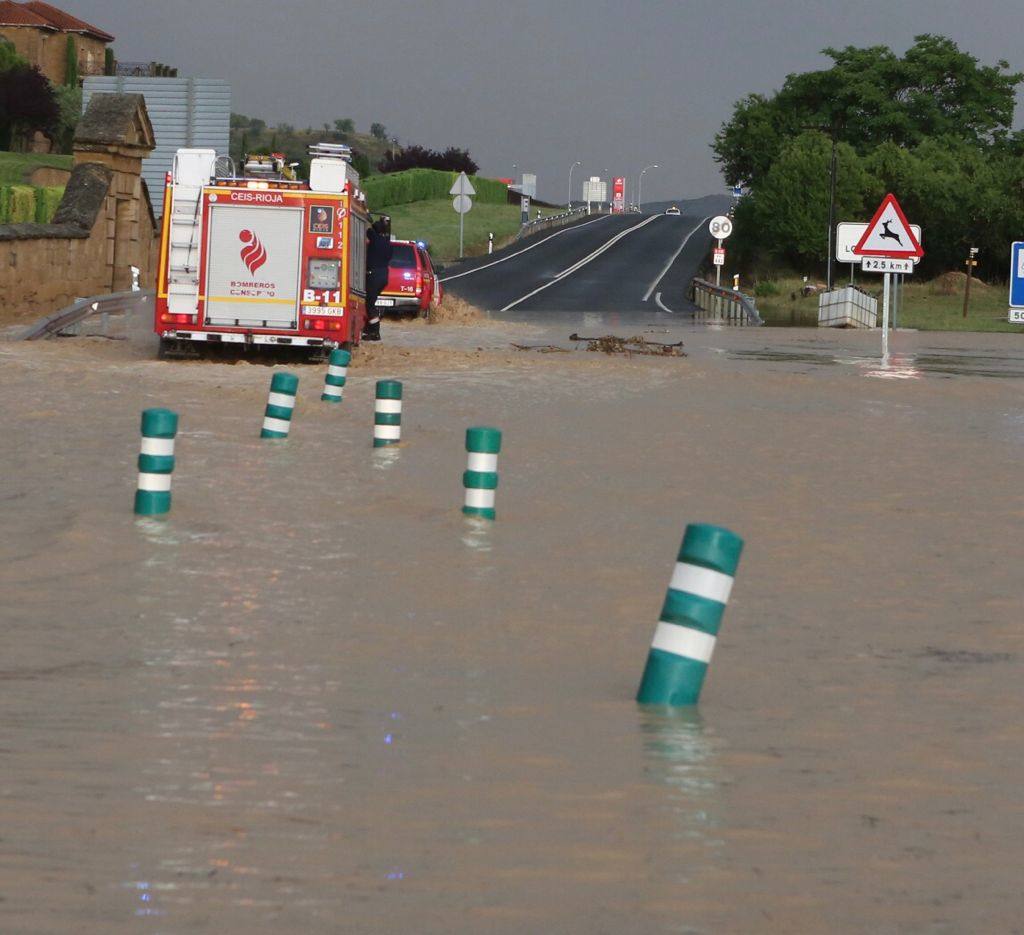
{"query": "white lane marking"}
(662, 305)
(704, 582)
(564, 230)
(675, 256)
(683, 641)
(581, 263)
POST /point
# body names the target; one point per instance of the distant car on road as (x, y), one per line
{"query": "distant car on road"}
(412, 285)
(672, 210)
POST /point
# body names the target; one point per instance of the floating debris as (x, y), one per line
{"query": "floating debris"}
(638, 344)
(541, 348)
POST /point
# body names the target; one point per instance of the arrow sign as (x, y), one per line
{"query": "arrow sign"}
(462, 186)
(888, 234)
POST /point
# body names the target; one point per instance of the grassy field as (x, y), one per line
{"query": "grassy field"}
(927, 306)
(437, 223)
(16, 168)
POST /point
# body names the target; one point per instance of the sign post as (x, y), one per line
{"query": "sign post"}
(887, 246)
(463, 191)
(720, 228)
(1016, 312)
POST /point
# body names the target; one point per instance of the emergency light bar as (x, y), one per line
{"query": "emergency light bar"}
(329, 150)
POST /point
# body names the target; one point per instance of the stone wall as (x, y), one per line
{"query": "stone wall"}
(103, 226)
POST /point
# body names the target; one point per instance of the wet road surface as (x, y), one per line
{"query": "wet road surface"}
(316, 699)
(627, 263)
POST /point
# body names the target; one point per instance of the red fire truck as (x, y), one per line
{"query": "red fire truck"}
(261, 260)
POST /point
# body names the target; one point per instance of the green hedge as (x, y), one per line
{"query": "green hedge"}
(399, 188)
(21, 203)
(47, 200)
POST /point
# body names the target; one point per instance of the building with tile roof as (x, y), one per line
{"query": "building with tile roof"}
(40, 33)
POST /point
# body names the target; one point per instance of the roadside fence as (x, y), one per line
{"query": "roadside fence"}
(716, 304)
(546, 223)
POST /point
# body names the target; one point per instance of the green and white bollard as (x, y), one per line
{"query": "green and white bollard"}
(387, 416)
(685, 636)
(277, 418)
(334, 380)
(481, 476)
(156, 462)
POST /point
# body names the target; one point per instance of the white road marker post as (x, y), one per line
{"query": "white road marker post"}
(277, 417)
(481, 475)
(334, 379)
(156, 462)
(691, 616)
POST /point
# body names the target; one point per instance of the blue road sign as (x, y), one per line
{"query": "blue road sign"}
(1017, 275)
(737, 191)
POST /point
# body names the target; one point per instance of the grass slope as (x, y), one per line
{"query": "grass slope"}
(927, 306)
(437, 223)
(17, 168)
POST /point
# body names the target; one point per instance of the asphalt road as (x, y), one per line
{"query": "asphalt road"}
(625, 263)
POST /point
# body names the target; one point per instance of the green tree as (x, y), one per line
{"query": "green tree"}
(69, 105)
(71, 70)
(378, 131)
(871, 96)
(344, 126)
(789, 209)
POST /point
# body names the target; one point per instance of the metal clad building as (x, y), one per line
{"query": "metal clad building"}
(192, 112)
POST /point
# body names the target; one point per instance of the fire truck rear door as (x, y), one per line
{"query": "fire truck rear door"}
(254, 261)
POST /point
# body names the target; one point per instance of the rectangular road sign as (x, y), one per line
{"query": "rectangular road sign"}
(885, 264)
(849, 232)
(1016, 316)
(719, 256)
(1017, 275)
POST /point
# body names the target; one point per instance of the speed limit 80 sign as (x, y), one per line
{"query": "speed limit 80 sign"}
(720, 227)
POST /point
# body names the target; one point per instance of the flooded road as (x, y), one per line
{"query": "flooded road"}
(315, 698)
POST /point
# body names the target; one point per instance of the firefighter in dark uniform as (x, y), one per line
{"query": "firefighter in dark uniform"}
(378, 256)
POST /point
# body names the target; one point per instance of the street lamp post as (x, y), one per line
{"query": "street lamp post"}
(640, 186)
(573, 166)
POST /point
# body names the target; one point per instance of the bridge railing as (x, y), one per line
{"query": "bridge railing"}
(552, 220)
(717, 304)
(97, 309)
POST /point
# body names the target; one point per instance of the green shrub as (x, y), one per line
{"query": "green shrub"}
(766, 287)
(23, 204)
(399, 188)
(47, 200)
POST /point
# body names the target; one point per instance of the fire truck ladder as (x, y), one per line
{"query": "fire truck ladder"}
(184, 235)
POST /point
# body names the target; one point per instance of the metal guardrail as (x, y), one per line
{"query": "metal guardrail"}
(716, 304)
(546, 223)
(97, 305)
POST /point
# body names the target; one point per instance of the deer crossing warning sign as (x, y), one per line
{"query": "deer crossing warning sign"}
(889, 234)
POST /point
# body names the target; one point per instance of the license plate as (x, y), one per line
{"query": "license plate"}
(385, 303)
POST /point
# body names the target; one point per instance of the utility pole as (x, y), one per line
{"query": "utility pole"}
(971, 263)
(831, 210)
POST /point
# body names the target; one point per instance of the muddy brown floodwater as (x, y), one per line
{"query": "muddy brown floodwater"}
(316, 699)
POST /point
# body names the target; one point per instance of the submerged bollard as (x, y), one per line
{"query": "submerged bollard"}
(690, 617)
(277, 419)
(481, 476)
(334, 379)
(156, 462)
(387, 417)
(387, 414)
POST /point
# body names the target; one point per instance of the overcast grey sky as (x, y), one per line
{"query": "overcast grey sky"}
(538, 83)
